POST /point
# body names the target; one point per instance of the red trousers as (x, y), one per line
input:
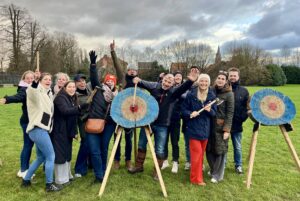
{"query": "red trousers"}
(197, 149)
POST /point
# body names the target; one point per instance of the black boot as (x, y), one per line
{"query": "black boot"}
(26, 183)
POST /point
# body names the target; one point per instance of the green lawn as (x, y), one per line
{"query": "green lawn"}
(275, 176)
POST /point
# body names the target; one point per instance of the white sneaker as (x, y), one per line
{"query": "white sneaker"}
(23, 174)
(77, 175)
(213, 180)
(165, 164)
(208, 173)
(187, 165)
(175, 167)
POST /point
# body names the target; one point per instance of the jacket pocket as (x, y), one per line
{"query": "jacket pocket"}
(45, 119)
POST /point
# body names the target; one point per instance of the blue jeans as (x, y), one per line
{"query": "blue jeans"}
(128, 145)
(98, 147)
(81, 165)
(44, 154)
(187, 147)
(160, 138)
(236, 138)
(27, 148)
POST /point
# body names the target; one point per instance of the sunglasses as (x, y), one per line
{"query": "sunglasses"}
(223, 72)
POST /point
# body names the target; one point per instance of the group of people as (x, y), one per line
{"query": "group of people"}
(53, 115)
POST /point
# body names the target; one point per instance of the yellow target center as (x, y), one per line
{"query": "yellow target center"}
(272, 107)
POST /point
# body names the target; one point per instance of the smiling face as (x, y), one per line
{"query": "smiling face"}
(167, 82)
(132, 72)
(46, 81)
(81, 84)
(28, 78)
(178, 79)
(61, 81)
(70, 88)
(221, 81)
(110, 83)
(203, 83)
(233, 76)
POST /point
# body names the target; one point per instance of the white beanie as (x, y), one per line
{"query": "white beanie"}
(131, 66)
(204, 76)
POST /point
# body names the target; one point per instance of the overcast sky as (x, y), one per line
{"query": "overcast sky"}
(271, 24)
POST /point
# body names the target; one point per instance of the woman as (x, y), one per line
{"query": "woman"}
(40, 111)
(26, 80)
(198, 124)
(218, 141)
(66, 111)
(60, 81)
(99, 109)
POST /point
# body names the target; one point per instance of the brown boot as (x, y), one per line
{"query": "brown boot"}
(128, 165)
(160, 163)
(139, 163)
(116, 165)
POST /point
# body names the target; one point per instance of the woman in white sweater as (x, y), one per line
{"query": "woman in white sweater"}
(40, 111)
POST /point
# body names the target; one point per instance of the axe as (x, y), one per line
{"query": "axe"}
(215, 101)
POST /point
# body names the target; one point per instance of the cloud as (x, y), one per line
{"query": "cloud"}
(155, 21)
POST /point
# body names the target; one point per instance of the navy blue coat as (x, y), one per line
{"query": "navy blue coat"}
(198, 127)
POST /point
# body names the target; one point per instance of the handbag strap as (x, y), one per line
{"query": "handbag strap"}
(90, 99)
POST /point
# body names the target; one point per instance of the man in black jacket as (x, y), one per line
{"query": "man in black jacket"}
(241, 96)
(166, 96)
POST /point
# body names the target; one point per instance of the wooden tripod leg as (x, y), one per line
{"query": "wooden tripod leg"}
(135, 144)
(251, 158)
(111, 159)
(161, 181)
(291, 147)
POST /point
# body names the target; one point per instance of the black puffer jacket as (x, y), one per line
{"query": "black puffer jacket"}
(241, 97)
(166, 99)
(20, 97)
(99, 107)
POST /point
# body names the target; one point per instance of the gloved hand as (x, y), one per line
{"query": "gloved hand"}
(83, 106)
(93, 57)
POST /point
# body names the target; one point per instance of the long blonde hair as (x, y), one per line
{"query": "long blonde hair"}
(25, 73)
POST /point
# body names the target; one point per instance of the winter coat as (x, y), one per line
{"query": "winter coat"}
(166, 99)
(241, 97)
(99, 109)
(64, 126)
(198, 127)
(222, 121)
(40, 107)
(20, 97)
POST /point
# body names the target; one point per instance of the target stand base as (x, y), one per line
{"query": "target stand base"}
(253, 150)
(119, 130)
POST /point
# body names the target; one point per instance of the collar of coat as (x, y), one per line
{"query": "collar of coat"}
(227, 88)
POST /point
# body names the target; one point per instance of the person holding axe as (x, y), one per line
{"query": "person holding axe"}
(198, 110)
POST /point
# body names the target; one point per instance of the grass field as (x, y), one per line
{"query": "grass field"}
(275, 176)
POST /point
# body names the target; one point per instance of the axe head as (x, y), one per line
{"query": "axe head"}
(219, 101)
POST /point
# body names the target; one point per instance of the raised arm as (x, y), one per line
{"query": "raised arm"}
(93, 70)
(145, 84)
(186, 85)
(117, 65)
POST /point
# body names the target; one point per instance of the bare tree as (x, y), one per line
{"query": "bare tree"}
(16, 20)
(285, 52)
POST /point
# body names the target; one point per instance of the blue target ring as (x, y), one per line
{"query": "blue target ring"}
(147, 109)
(270, 107)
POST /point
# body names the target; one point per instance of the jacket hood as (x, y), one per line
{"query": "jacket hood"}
(227, 88)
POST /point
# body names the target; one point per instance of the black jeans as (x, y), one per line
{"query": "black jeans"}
(174, 133)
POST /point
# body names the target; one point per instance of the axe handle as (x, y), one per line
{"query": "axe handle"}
(209, 104)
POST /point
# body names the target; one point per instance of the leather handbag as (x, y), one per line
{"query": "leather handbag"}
(95, 126)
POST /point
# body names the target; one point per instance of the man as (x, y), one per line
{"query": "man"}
(166, 96)
(83, 92)
(125, 82)
(241, 96)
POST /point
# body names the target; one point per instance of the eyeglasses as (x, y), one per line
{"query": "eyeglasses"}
(223, 72)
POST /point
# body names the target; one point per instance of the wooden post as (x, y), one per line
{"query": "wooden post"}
(37, 60)
(290, 145)
(161, 181)
(135, 143)
(111, 159)
(251, 158)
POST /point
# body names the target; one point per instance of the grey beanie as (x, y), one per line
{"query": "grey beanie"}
(131, 66)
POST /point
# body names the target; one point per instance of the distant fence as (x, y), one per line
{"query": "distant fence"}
(9, 78)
